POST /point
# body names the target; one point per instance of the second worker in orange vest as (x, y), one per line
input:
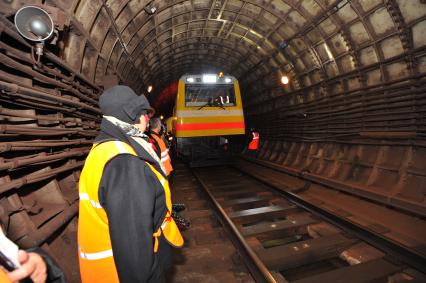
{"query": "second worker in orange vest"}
(253, 143)
(160, 147)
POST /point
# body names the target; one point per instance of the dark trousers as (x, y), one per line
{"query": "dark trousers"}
(252, 153)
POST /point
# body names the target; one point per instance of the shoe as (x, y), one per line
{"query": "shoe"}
(178, 207)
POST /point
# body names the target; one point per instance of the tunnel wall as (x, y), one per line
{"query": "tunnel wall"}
(390, 173)
(48, 119)
(368, 142)
(353, 116)
(355, 122)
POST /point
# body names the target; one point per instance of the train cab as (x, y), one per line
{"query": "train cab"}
(208, 113)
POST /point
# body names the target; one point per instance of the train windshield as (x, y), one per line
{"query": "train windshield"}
(214, 95)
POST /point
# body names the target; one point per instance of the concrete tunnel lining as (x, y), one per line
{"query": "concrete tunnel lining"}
(353, 115)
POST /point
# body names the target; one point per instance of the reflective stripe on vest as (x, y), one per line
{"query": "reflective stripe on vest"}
(95, 256)
(84, 196)
(95, 250)
(254, 143)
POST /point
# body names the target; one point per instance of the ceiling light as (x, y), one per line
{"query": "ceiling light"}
(150, 9)
(285, 80)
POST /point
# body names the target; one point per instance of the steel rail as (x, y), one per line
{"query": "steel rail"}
(400, 252)
(41, 144)
(16, 89)
(45, 131)
(41, 158)
(256, 267)
(40, 104)
(6, 60)
(38, 176)
(13, 113)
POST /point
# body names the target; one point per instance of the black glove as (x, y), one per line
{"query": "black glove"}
(182, 223)
(177, 207)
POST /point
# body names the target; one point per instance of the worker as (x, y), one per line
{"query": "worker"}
(125, 228)
(224, 143)
(158, 142)
(20, 265)
(253, 142)
(156, 132)
(169, 139)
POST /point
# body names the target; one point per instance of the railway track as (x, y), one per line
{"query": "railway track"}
(283, 238)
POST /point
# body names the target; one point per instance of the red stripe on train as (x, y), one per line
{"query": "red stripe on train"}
(210, 126)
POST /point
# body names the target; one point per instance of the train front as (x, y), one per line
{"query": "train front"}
(208, 119)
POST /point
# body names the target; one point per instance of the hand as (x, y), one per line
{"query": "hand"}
(32, 265)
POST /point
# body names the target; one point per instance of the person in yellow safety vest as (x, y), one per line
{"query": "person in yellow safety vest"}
(159, 145)
(125, 228)
(253, 144)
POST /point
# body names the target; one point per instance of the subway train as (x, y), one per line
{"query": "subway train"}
(207, 118)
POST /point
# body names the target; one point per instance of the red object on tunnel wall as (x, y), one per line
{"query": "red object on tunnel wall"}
(163, 103)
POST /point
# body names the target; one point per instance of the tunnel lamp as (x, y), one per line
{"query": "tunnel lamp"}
(190, 80)
(150, 9)
(209, 79)
(34, 24)
(285, 80)
(149, 88)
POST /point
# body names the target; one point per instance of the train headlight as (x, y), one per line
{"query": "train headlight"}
(190, 80)
(209, 79)
(228, 80)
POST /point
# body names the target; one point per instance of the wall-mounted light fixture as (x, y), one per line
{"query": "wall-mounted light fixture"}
(150, 9)
(40, 24)
(34, 24)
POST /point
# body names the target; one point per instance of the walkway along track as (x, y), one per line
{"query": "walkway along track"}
(284, 238)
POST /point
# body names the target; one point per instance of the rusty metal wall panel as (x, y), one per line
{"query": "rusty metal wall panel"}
(48, 119)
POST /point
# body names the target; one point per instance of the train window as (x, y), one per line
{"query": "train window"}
(214, 95)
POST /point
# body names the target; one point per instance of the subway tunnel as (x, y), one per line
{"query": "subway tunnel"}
(352, 117)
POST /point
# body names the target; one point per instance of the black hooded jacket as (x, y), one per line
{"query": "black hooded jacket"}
(134, 201)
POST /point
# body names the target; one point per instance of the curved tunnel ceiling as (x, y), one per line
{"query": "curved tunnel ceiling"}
(316, 42)
(352, 117)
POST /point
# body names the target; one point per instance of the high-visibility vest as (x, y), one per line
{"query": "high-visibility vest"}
(94, 244)
(3, 277)
(254, 143)
(165, 157)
